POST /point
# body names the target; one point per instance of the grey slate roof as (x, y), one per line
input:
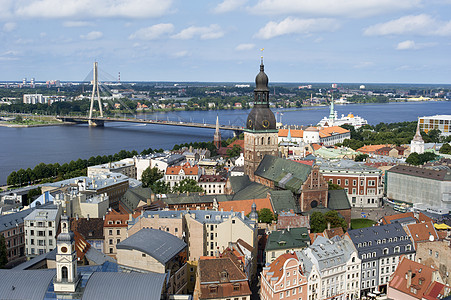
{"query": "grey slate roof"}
(284, 173)
(324, 253)
(365, 240)
(112, 286)
(19, 284)
(159, 244)
(51, 255)
(283, 200)
(338, 199)
(94, 256)
(133, 196)
(288, 239)
(9, 221)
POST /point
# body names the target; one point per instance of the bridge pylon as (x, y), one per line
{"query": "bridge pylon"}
(95, 92)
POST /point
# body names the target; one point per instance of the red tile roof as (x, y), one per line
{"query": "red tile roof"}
(245, 205)
(115, 219)
(295, 133)
(237, 142)
(187, 169)
(421, 278)
(422, 232)
(277, 265)
(389, 219)
(436, 291)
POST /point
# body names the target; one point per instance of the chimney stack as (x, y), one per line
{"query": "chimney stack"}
(409, 278)
(328, 225)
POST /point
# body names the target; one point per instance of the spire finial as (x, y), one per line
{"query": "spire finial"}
(261, 57)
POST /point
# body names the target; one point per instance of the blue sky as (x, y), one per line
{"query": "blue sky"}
(362, 41)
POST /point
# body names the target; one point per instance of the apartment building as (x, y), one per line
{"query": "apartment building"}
(176, 174)
(380, 248)
(114, 231)
(41, 227)
(213, 184)
(12, 228)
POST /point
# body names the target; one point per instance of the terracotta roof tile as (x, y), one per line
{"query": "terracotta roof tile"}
(421, 278)
(115, 219)
(245, 205)
(277, 265)
(421, 232)
(390, 219)
(370, 148)
(295, 133)
(436, 291)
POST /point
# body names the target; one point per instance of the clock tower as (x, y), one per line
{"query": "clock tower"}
(66, 260)
(260, 134)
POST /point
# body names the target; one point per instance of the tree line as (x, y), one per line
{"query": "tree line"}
(56, 172)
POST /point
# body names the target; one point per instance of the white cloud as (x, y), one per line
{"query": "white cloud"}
(411, 45)
(406, 45)
(181, 53)
(296, 26)
(93, 35)
(86, 8)
(152, 32)
(76, 24)
(348, 8)
(228, 5)
(205, 33)
(10, 26)
(415, 25)
(244, 47)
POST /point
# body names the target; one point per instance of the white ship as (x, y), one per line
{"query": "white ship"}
(333, 120)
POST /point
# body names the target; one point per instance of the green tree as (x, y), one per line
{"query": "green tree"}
(413, 159)
(334, 220)
(3, 252)
(235, 151)
(187, 185)
(334, 186)
(150, 176)
(361, 157)
(317, 222)
(265, 215)
(160, 187)
(445, 149)
(18, 119)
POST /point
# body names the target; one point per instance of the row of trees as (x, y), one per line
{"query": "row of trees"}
(319, 221)
(49, 172)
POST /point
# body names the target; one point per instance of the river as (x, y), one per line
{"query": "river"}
(27, 147)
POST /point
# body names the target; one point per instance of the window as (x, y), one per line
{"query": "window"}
(346, 182)
(110, 241)
(111, 250)
(436, 254)
(50, 233)
(110, 232)
(397, 249)
(118, 232)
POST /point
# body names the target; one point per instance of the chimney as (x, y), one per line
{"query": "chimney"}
(77, 217)
(409, 278)
(328, 225)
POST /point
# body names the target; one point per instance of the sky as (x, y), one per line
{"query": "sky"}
(305, 41)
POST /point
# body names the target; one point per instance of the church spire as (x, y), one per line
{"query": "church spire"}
(418, 136)
(217, 136)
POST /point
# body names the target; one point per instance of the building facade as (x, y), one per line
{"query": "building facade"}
(439, 122)
(41, 227)
(363, 184)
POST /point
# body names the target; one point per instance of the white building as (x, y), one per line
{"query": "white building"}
(41, 227)
(314, 135)
(176, 174)
(417, 143)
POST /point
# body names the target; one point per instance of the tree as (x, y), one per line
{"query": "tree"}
(361, 157)
(3, 252)
(334, 220)
(413, 159)
(317, 222)
(150, 176)
(18, 119)
(445, 149)
(334, 186)
(265, 215)
(235, 151)
(187, 185)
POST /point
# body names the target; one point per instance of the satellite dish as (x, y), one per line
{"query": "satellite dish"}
(431, 238)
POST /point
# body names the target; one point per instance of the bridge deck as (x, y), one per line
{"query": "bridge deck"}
(155, 122)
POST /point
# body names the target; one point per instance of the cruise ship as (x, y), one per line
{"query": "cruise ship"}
(333, 120)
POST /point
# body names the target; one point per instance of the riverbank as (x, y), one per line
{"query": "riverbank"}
(12, 125)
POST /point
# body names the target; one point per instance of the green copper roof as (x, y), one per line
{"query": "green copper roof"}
(338, 199)
(294, 238)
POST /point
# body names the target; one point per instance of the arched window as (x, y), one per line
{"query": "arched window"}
(64, 273)
(262, 141)
(269, 141)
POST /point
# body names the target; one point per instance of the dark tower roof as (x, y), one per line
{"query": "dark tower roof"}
(261, 118)
(261, 80)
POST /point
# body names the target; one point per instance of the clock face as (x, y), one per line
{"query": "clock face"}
(63, 249)
(249, 123)
(265, 123)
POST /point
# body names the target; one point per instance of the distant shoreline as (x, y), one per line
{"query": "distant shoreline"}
(5, 124)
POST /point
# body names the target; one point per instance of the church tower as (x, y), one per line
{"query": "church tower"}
(260, 134)
(66, 260)
(417, 143)
(217, 136)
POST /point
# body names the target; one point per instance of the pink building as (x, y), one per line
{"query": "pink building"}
(283, 279)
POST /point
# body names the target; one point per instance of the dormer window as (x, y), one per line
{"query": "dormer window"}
(110, 222)
(118, 222)
(397, 249)
(236, 287)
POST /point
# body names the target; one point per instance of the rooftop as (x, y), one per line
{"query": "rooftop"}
(158, 244)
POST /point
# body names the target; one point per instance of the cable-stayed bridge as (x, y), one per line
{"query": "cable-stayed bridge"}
(100, 120)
